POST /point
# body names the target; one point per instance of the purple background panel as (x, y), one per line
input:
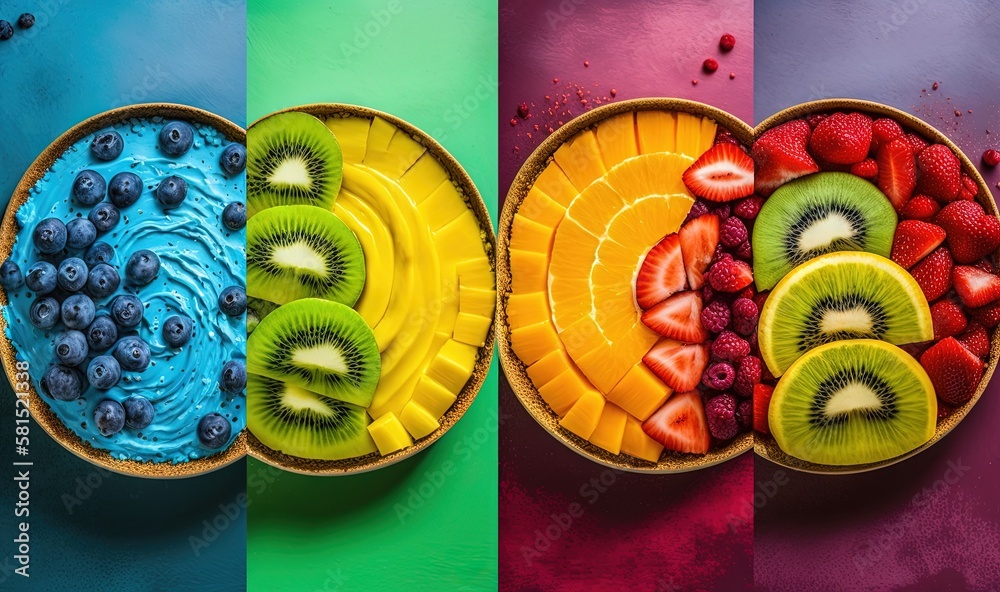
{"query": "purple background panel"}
(630, 532)
(931, 523)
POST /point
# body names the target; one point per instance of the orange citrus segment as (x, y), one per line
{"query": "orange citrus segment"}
(595, 205)
(616, 139)
(650, 174)
(649, 220)
(581, 160)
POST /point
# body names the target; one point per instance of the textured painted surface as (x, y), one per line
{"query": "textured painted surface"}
(430, 522)
(567, 523)
(91, 530)
(931, 523)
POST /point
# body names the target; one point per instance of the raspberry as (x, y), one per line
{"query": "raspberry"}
(747, 375)
(715, 316)
(748, 207)
(729, 275)
(747, 292)
(744, 316)
(522, 110)
(745, 414)
(991, 158)
(760, 298)
(732, 232)
(745, 251)
(730, 347)
(719, 376)
(727, 42)
(721, 414)
(711, 65)
(722, 211)
(707, 293)
(699, 208)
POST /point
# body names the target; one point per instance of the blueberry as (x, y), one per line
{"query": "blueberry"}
(102, 333)
(234, 159)
(6, 31)
(72, 274)
(109, 416)
(62, 383)
(11, 277)
(26, 20)
(177, 330)
(103, 372)
(44, 313)
(233, 301)
(99, 252)
(102, 281)
(71, 348)
(234, 216)
(234, 377)
(171, 192)
(176, 138)
(50, 236)
(132, 354)
(126, 310)
(89, 187)
(214, 430)
(41, 278)
(138, 412)
(104, 216)
(80, 233)
(107, 145)
(142, 267)
(78, 311)
(124, 189)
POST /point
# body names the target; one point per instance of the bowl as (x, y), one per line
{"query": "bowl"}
(38, 407)
(765, 445)
(373, 461)
(515, 370)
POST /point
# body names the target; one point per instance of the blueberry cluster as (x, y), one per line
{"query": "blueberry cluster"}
(76, 273)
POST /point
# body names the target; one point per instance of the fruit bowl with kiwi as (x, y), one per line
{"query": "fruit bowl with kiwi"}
(875, 255)
(371, 284)
(623, 244)
(122, 281)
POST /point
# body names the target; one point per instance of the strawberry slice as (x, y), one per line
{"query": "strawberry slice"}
(662, 272)
(940, 173)
(915, 240)
(679, 366)
(781, 155)
(678, 317)
(680, 424)
(974, 286)
(897, 171)
(954, 371)
(761, 401)
(920, 207)
(699, 238)
(723, 173)
(933, 274)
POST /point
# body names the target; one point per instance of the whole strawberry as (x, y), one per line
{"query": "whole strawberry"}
(940, 173)
(972, 233)
(842, 138)
(954, 371)
(948, 319)
(884, 130)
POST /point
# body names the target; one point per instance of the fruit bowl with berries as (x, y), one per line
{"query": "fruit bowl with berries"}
(875, 264)
(626, 314)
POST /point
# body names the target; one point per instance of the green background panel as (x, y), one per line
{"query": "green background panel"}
(428, 523)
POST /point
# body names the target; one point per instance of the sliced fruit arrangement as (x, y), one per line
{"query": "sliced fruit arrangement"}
(883, 291)
(371, 288)
(627, 236)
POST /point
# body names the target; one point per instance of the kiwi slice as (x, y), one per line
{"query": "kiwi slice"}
(292, 159)
(321, 346)
(846, 295)
(295, 421)
(819, 214)
(257, 309)
(303, 252)
(853, 402)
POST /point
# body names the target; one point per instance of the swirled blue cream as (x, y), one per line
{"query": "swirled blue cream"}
(199, 257)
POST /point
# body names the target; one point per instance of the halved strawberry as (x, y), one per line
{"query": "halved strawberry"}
(915, 240)
(948, 318)
(940, 173)
(972, 233)
(976, 339)
(678, 317)
(680, 424)
(723, 173)
(954, 371)
(920, 207)
(933, 274)
(761, 401)
(679, 366)
(974, 286)
(897, 171)
(699, 238)
(781, 155)
(662, 272)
